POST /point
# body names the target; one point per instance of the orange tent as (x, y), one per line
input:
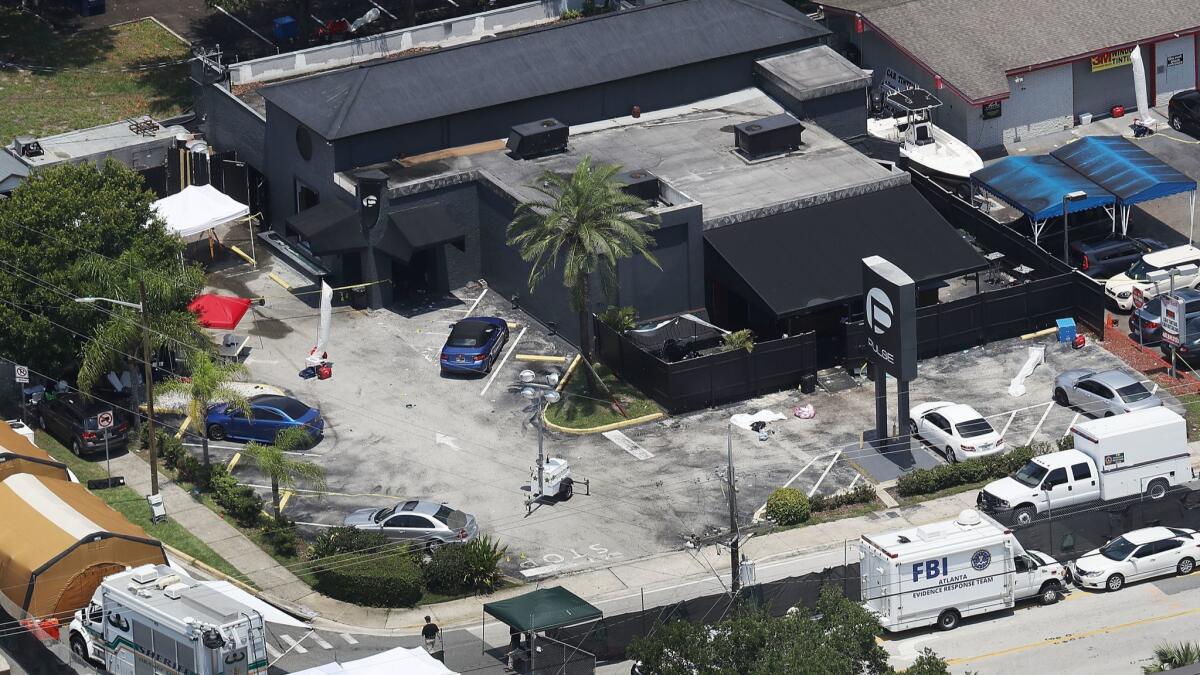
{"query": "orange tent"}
(57, 541)
(18, 455)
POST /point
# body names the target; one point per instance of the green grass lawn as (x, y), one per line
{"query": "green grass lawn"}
(1191, 412)
(134, 507)
(581, 409)
(85, 80)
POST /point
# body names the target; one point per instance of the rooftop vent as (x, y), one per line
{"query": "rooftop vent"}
(145, 575)
(536, 139)
(768, 136)
(175, 591)
(640, 183)
(27, 146)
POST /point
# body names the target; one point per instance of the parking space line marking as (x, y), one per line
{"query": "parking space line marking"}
(1046, 414)
(233, 461)
(1154, 389)
(319, 492)
(499, 366)
(283, 499)
(758, 514)
(627, 444)
(317, 639)
(817, 484)
(854, 482)
(212, 445)
(301, 522)
(349, 639)
(1006, 424)
(476, 303)
(293, 644)
(275, 653)
(1071, 425)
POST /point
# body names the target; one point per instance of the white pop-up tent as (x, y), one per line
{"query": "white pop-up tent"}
(198, 209)
(415, 661)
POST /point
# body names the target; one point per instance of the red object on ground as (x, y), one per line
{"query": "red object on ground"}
(324, 371)
(43, 629)
(1118, 111)
(1080, 341)
(219, 311)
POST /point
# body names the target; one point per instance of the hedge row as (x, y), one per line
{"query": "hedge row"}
(928, 481)
(789, 506)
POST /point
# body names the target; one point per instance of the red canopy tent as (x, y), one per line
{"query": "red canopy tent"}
(219, 311)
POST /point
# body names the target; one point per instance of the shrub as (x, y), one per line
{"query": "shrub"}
(928, 481)
(393, 579)
(458, 568)
(788, 506)
(242, 504)
(280, 535)
(739, 339)
(863, 493)
(570, 14)
(620, 319)
(339, 540)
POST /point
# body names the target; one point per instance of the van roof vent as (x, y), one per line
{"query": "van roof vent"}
(145, 576)
(969, 518)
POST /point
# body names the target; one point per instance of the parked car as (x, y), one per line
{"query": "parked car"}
(1103, 394)
(417, 520)
(955, 430)
(474, 345)
(1106, 257)
(269, 414)
(1183, 111)
(1141, 554)
(1120, 287)
(1188, 350)
(74, 421)
(1145, 324)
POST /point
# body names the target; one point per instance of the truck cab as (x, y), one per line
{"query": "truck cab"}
(87, 630)
(1047, 482)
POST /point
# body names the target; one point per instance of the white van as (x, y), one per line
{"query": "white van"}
(1122, 287)
(942, 572)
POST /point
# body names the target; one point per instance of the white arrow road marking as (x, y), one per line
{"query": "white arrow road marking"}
(443, 439)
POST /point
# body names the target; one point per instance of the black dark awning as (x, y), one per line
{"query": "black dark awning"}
(801, 261)
(328, 227)
(412, 230)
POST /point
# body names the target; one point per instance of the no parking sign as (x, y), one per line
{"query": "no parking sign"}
(104, 420)
(22, 374)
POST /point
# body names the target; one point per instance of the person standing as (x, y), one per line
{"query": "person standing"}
(430, 632)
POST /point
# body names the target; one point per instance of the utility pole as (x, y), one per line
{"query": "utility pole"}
(149, 369)
(734, 560)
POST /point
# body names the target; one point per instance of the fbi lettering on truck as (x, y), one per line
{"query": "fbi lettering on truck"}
(930, 569)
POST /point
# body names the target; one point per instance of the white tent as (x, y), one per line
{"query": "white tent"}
(415, 661)
(197, 209)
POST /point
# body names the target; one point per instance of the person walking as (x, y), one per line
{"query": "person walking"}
(430, 632)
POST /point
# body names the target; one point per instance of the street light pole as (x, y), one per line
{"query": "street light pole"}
(735, 572)
(149, 369)
(1067, 198)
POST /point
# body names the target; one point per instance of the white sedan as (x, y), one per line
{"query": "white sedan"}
(1141, 554)
(955, 430)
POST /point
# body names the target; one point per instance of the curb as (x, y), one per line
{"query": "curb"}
(624, 424)
(295, 609)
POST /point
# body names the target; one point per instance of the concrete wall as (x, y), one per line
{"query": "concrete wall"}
(1169, 79)
(1040, 104)
(284, 167)
(440, 33)
(1097, 93)
(230, 124)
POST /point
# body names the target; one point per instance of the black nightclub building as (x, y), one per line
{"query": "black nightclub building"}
(398, 170)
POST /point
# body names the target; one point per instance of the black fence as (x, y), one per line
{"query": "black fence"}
(1001, 314)
(712, 379)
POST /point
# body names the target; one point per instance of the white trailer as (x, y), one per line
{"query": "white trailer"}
(152, 620)
(943, 572)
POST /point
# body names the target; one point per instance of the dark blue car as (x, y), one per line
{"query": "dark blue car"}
(1145, 323)
(474, 345)
(269, 414)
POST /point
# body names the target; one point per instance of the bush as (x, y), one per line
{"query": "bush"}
(390, 580)
(864, 493)
(620, 319)
(570, 14)
(280, 535)
(470, 567)
(239, 501)
(739, 339)
(928, 481)
(339, 540)
(788, 506)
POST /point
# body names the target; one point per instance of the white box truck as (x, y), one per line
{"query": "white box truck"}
(151, 619)
(942, 572)
(1142, 452)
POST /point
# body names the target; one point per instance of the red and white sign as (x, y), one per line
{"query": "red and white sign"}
(104, 420)
(1139, 297)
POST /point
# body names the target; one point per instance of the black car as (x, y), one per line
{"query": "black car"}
(74, 422)
(1106, 257)
(1184, 111)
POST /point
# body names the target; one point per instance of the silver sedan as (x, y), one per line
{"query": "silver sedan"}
(1103, 394)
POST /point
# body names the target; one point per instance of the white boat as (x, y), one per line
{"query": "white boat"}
(928, 148)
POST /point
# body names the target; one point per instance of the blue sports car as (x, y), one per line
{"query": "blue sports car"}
(474, 345)
(269, 414)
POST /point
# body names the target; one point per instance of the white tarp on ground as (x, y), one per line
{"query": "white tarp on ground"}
(744, 421)
(198, 208)
(415, 661)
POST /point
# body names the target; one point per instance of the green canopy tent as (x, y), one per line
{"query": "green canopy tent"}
(543, 609)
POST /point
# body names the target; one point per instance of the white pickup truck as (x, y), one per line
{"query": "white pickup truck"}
(1142, 452)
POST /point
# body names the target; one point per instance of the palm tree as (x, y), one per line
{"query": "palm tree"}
(283, 470)
(1168, 657)
(586, 222)
(209, 382)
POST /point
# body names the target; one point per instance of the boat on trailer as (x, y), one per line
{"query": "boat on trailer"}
(903, 117)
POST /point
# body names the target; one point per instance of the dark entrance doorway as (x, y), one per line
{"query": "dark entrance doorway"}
(417, 276)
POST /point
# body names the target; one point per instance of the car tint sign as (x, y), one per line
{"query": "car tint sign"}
(890, 306)
(1172, 323)
(1113, 59)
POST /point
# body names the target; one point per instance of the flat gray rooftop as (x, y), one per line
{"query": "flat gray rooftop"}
(691, 148)
(810, 73)
(100, 140)
(198, 602)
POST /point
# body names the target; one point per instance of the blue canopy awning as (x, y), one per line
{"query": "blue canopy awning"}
(1036, 185)
(1121, 167)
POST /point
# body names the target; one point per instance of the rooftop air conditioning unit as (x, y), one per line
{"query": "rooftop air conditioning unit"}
(27, 146)
(640, 183)
(768, 136)
(535, 139)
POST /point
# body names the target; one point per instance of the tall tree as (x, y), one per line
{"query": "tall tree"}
(208, 381)
(49, 224)
(284, 471)
(584, 223)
